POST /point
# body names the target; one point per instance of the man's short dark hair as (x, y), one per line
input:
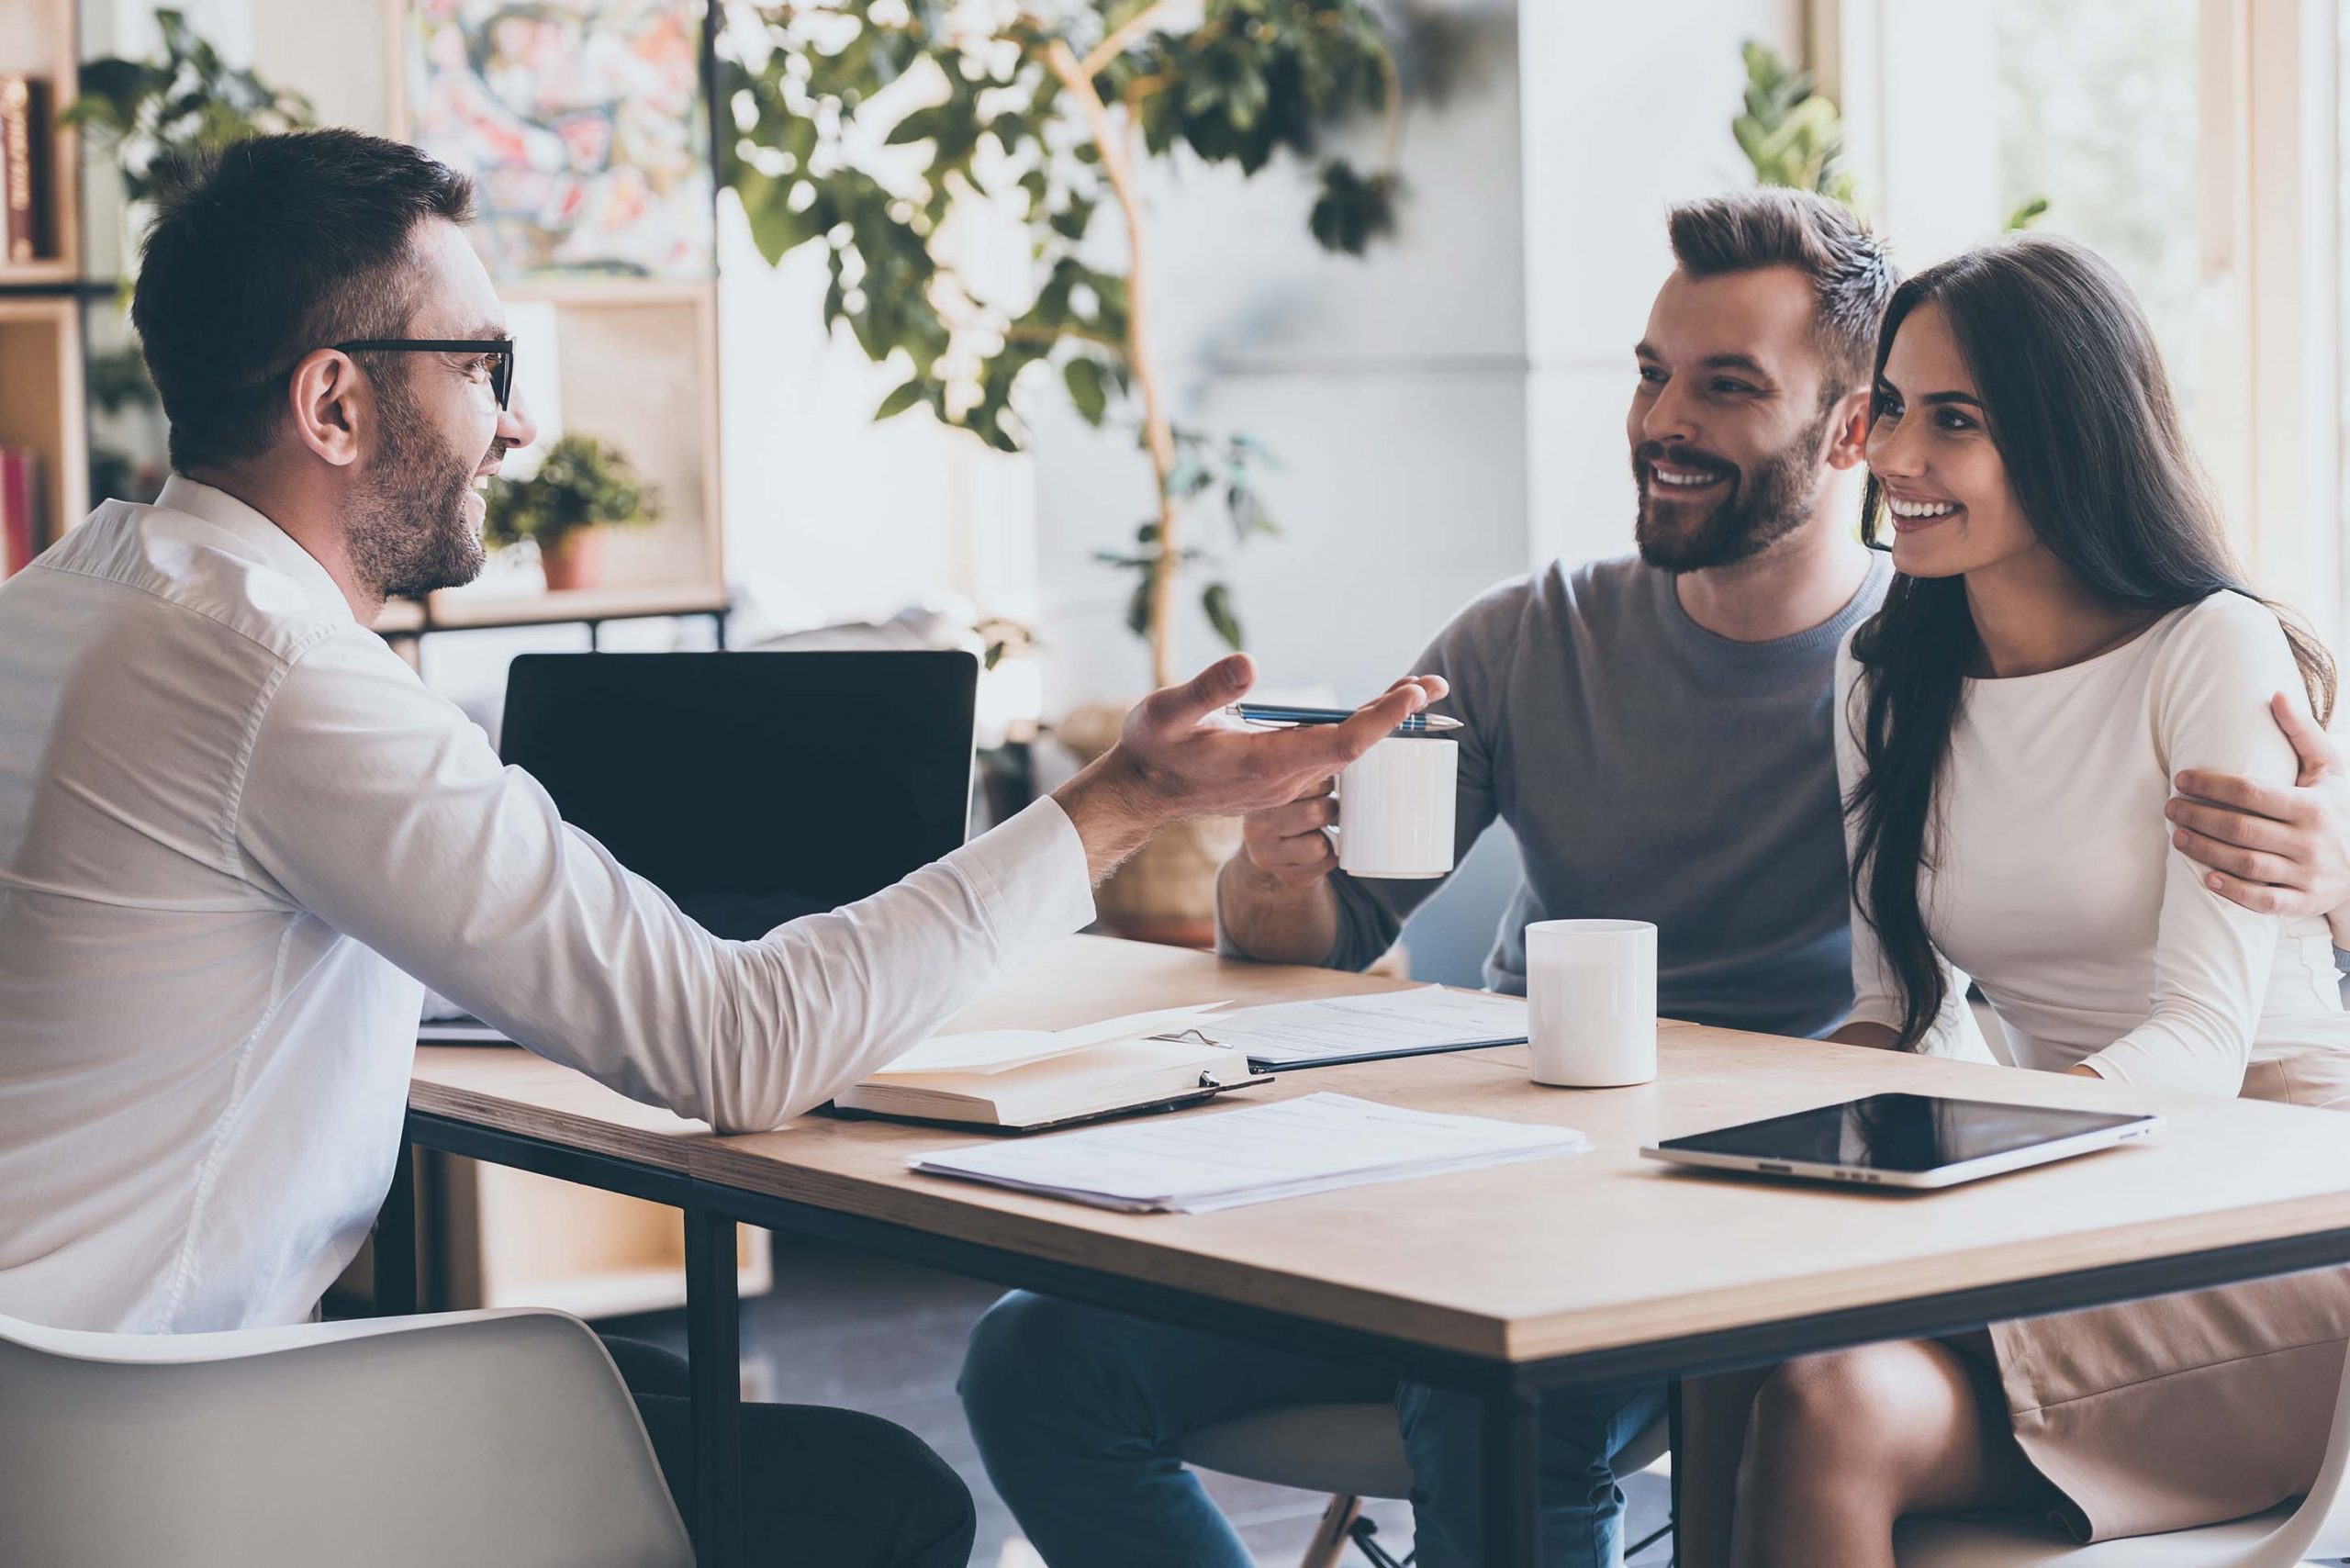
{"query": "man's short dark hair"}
(269, 250)
(1851, 276)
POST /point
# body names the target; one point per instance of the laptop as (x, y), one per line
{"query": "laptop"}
(1906, 1141)
(752, 788)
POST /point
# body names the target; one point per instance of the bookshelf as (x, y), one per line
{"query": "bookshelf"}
(637, 361)
(639, 368)
(42, 401)
(38, 38)
(42, 397)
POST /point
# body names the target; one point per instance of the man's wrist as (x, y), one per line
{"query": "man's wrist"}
(1113, 809)
(2338, 922)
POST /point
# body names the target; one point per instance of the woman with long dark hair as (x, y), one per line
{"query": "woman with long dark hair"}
(2065, 634)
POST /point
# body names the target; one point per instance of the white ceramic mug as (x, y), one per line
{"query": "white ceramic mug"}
(1590, 1001)
(1396, 806)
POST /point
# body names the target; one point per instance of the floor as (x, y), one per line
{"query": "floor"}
(843, 1328)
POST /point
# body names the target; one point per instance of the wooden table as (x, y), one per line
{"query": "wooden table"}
(1509, 1282)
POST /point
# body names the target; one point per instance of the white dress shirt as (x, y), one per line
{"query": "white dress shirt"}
(237, 832)
(2052, 882)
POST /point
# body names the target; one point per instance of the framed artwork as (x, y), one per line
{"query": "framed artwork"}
(583, 123)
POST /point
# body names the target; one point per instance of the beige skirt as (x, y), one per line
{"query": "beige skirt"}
(2187, 1409)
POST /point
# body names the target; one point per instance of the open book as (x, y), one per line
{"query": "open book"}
(1036, 1078)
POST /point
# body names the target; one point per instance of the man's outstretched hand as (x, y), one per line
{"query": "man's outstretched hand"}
(2281, 851)
(1181, 756)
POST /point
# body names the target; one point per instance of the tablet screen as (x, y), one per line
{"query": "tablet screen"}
(1899, 1132)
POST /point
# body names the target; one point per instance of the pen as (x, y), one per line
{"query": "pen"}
(1274, 713)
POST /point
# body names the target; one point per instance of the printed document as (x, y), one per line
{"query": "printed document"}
(1192, 1164)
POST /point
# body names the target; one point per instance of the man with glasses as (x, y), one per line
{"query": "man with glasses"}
(234, 825)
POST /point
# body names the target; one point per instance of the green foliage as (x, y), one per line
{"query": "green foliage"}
(582, 483)
(1790, 133)
(2025, 216)
(116, 380)
(861, 125)
(150, 114)
(1221, 474)
(1352, 209)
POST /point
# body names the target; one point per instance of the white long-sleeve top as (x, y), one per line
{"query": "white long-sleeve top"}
(2051, 879)
(236, 831)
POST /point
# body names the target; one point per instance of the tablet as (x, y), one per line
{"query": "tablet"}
(1906, 1141)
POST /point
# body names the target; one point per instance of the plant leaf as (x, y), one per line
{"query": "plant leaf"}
(1217, 600)
(899, 401)
(1083, 377)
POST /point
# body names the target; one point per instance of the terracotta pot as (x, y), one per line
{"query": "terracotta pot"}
(1166, 892)
(574, 561)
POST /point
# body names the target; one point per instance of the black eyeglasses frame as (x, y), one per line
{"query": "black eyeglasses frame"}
(501, 375)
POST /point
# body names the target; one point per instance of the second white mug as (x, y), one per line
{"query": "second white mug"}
(1591, 1001)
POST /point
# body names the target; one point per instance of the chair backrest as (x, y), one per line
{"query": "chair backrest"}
(494, 1438)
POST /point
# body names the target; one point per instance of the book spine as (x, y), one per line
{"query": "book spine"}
(18, 126)
(17, 526)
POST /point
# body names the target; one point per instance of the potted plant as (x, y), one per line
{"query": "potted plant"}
(868, 126)
(582, 486)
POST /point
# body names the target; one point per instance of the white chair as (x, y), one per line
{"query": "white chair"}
(2317, 1527)
(479, 1438)
(1352, 1451)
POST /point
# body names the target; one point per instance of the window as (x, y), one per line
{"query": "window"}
(2197, 144)
(2096, 115)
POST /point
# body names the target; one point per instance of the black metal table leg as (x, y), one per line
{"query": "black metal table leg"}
(1513, 1433)
(713, 1354)
(395, 1239)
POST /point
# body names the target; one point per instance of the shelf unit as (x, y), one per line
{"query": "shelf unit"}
(42, 397)
(625, 379)
(638, 362)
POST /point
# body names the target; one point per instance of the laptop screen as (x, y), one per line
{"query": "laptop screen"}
(753, 788)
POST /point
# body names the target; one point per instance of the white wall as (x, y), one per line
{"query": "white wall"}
(1627, 111)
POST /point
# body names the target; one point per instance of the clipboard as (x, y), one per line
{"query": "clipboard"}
(1261, 1065)
(1208, 1089)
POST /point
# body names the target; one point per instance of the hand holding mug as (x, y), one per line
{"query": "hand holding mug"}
(1290, 842)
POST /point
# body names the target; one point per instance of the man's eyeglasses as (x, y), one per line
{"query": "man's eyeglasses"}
(499, 352)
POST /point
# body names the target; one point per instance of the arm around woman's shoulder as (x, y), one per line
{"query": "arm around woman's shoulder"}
(2215, 672)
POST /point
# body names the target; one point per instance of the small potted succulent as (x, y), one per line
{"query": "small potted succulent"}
(582, 486)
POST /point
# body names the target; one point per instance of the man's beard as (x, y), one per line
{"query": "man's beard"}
(408, 532)
(1760, 510)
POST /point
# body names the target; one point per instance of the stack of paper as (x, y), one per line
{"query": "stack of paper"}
(1364, 1028)
(1192, 1164)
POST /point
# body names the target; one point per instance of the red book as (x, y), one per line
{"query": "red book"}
(19, 529)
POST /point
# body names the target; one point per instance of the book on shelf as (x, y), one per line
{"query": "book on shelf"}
(20, 527)
(24, 168)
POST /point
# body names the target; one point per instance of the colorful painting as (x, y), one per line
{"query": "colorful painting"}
(583, 124)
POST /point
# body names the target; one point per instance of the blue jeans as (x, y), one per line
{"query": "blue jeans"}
(1079, 1412)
